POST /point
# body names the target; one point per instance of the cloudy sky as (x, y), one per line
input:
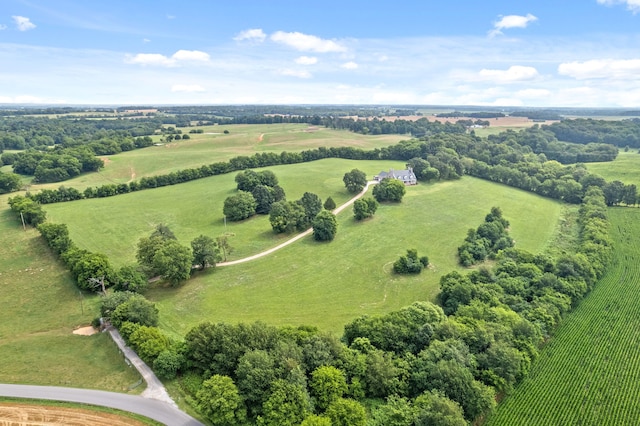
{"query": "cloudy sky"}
(583, 53)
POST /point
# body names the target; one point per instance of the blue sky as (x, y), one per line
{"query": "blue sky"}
(575, 53)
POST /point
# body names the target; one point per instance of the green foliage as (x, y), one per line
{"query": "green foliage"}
(219, 401)
(287, 405)
(327, 385)
(364, 208)
(136, 309)
(167, 364)
(490, 237)
(254, 375)
(9, 182)
(130, 278)
(389, 190)
(247, 180)
(239, 206)
(410, 263)
(56, 236)
(329, 204)
(287, 216)
(346, 412)
(109, 302)
(165, 257)
(312, 205)
(148, 342)
(397, 411)
(29, 210)
(205, 251)
(434, 409)
(325, 226)
(355, 181)
(315, 420)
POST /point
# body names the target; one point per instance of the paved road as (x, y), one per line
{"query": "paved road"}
(155, 389)
(154, 409)
(299, 236)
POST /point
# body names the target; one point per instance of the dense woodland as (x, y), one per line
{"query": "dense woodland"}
(440, 364)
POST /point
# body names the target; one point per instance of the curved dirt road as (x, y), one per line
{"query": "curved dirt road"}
(299, 236)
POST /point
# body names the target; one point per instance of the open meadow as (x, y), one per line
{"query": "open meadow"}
(213, 145)
(41, 306)
(589, 373)
(306, 283)
(625, 168)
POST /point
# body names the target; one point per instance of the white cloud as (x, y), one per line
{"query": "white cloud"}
(513, 74)
(162, 60)
(295, 73)
(511, 21)
(601, 68)
(190, 55)
(254, 34)
(189, 88)
(306, 42)
(23, 23)
(146, 40)
(306, 60)
(533, 93)
(349, 65)
(632, 5)
(150, 59)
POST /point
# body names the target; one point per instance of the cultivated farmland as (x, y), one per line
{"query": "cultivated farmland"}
(589, 373)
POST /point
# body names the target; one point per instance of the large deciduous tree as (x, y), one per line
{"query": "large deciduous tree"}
(287, 216)
(205, 251)
(325, 226)
(355, 181)
(219, 401)
(239, 206)
(389, 190)
(364, 208)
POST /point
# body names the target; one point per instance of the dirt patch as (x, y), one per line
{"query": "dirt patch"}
(261, 137)
(311, 129)
(29, 415)
(85, 331)
(105, 160)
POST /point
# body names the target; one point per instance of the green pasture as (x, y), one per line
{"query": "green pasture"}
(41, 306)
(213, 146)
(625, 168)
(306, 283)
(589, 373)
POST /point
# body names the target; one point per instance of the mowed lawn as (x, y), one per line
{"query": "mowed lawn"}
(307, 283)
(213, 145)
(589, 373)
(625, 168)
(41, 306)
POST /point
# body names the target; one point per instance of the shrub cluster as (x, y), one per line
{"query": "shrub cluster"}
(410, 263)
(486, 241)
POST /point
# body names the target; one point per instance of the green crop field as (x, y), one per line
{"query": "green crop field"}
(40, 308)
(589, 373)
(625, 168)
(306, 283)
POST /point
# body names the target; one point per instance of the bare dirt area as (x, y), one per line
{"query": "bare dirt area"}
(85, 331)
(16, 414)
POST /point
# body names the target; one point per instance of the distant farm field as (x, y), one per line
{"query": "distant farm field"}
(625, 168)
(589, 373)
(41, 306)
(214, 145)
(306, 283)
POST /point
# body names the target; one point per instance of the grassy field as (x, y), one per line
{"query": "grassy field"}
(589, 373)
(625, 168)
(213, 146)
(307, 283)
(40, 308)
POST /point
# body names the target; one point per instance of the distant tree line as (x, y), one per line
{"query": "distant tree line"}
(585, 131)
